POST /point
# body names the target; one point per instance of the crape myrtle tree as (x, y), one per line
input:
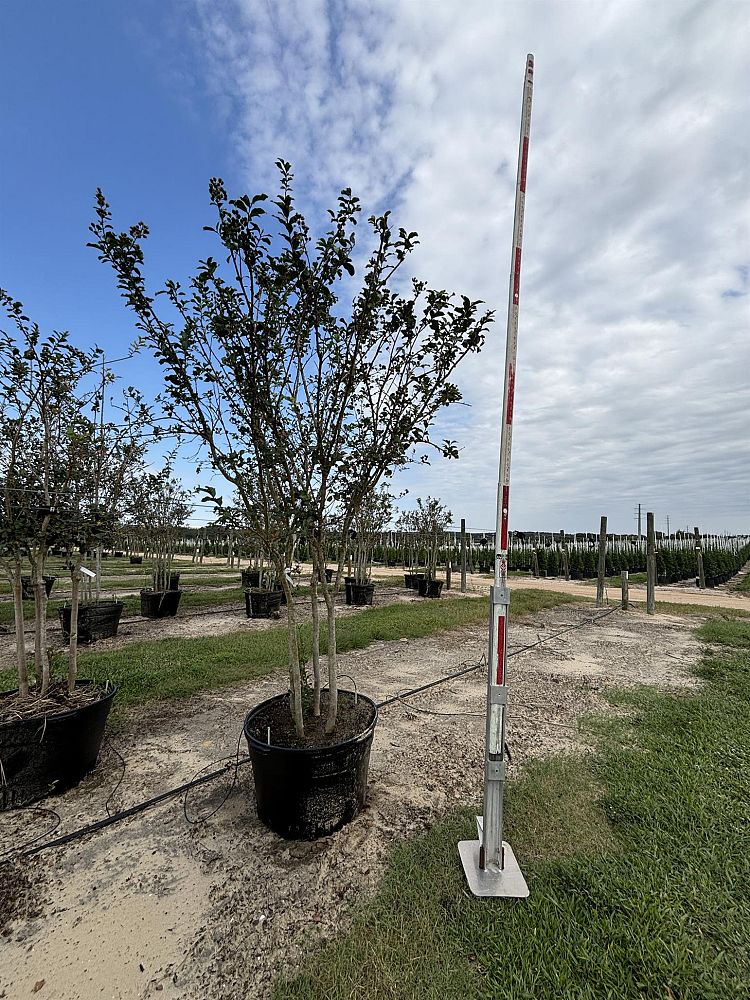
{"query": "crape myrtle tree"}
(407, 525)
(304, 405)
(431, 520)
(43, 406)
(107, 461)
(64, 470)
(159, 507)
(368, 524)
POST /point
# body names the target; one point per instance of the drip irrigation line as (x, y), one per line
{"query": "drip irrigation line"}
(8, 855)
(431, 684)
(131, 811)
(236, 758)
(236, 763)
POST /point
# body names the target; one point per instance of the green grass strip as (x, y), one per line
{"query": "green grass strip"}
(637, 859)
(178, 667)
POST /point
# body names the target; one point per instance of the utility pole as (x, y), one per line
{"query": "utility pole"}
(640, 533)
(489, 864)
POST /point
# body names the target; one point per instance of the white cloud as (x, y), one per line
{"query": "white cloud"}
(634, 351)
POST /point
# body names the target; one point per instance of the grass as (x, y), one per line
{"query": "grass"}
(637, 859)
(743, 585)
(178, 667)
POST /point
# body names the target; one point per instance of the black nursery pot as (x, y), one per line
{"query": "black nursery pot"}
(99, 620)
(262, 603)
(160, 603)
(362, 594)
(136, 560)
(302, 793)
(27, 590)
(50, 753)
(329, 575)
(174, 582)
(430, 588)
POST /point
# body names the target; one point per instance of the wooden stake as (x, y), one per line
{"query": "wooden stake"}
(625, 595)
(699, 555)
(463, 555)
(650, 565)
(602, 562)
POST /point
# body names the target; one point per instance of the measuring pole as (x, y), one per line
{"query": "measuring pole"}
(489, 863)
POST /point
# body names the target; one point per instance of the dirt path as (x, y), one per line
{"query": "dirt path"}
(155, 907)
(714, 598)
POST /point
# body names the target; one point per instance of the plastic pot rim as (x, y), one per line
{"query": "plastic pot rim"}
(333, 748)
(68, 713)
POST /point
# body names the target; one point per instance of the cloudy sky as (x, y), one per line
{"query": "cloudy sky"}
(634, 348)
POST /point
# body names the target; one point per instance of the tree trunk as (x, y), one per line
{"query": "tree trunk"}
(295, 674)
(333, 689)
(73, 646)
(98, 570)
(41, 659)
(23, 668)
(315, 637)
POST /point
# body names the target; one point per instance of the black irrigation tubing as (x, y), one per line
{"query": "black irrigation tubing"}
(236, 762)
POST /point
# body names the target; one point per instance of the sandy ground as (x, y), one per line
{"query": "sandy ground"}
(718, 597)
(683, 593)
(153, 906)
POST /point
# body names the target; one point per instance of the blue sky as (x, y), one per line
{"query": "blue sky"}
(634, 347)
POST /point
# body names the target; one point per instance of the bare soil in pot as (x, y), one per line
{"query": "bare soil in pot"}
(352, 720)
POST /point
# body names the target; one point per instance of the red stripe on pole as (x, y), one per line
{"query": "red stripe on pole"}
(511, 393)
(524, 159)
(504, 520)
(500, 668)
(516, 276)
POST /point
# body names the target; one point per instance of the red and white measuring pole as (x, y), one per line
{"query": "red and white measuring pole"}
(490, 866)
(492, 853)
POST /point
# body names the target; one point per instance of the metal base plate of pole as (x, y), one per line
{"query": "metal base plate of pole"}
(507, 882)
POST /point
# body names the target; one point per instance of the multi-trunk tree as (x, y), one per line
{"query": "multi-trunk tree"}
(305, 389)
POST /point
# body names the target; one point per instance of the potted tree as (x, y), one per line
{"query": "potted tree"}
(108, 459)
(367, 526)
(303, 407)
(161, 507)
(50, 728)
(432, 520)
(407, 525)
